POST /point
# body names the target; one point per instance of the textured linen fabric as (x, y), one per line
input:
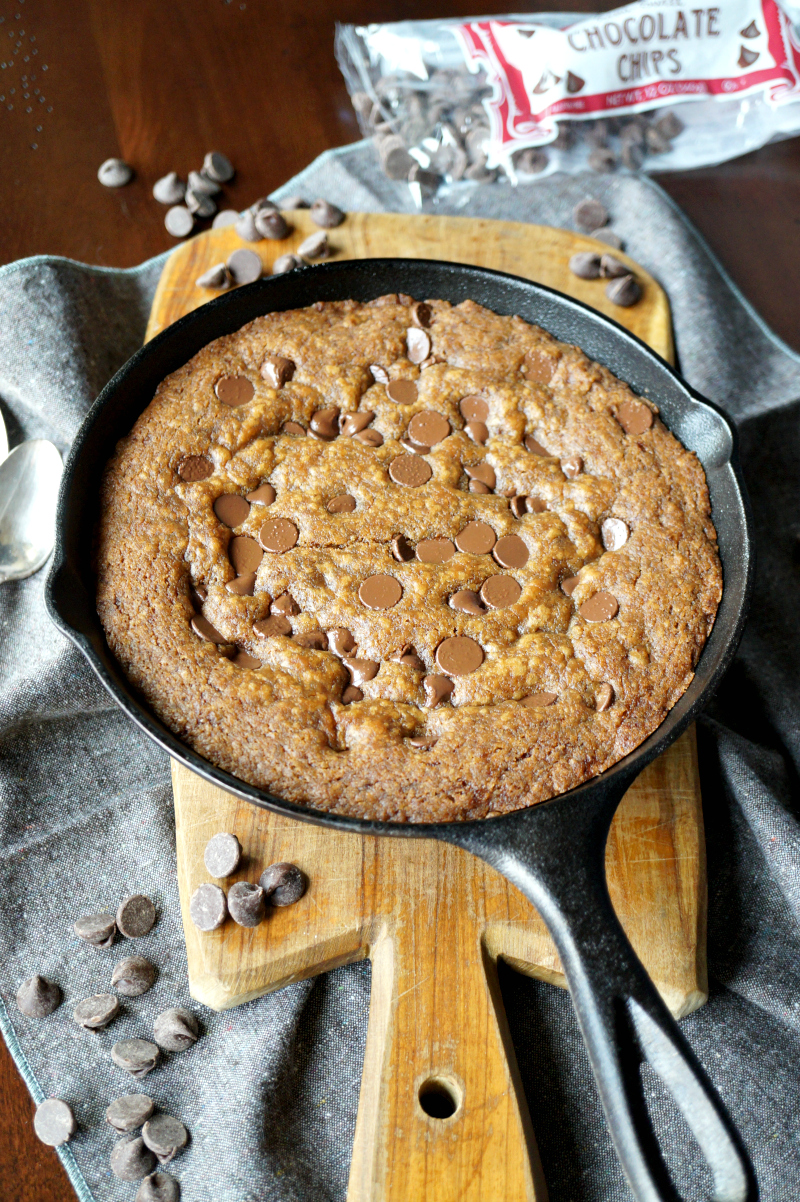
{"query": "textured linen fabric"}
(270, 1091)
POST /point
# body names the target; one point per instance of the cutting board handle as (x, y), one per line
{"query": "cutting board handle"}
(560, 867)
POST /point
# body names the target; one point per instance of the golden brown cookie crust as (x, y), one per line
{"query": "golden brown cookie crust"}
(296, 725)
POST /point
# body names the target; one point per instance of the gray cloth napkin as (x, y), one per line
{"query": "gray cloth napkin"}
(270, 1090)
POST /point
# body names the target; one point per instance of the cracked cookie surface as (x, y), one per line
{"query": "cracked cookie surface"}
(405, 560)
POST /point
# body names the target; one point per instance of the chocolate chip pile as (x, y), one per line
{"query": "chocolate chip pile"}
(405, 559)
(280, 884)
(134, 1157)
(447, 128)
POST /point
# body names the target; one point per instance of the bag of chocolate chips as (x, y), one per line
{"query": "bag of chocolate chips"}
(653, 86)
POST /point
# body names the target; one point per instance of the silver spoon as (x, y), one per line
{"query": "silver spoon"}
(3, 440)
(29, 480)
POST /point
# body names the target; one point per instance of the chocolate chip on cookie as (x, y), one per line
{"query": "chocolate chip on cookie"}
(402, 392)
(477, 538)
(511, 552)
(435, 550)
(278, 535)
(600, 608)
(500, 591)
(380, 592)
(459, 656)
(410, 471)
(234, 391)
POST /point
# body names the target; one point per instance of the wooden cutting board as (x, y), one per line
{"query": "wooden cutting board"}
(433, 919)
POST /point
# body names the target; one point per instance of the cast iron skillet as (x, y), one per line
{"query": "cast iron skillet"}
(553, 852)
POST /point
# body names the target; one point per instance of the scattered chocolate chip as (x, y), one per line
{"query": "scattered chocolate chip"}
(428, 428)
(572, 467)
(344, 503)
(354, 423)
(246, 227)
(519, 506)
(165, 1136)
(435, 550)
(539, 700)
(234, 391)
(199, 594)
(136, 916)
(604, 697)
(114, 173)
(133, 976)
(361, 670)
(600, 608)
(585, 265)
(415, 447)
(611, 267)
(222, 855)
(272, 225)
(418, 344)
(293, 428)
(316, 640)
(263, 205)
(422, 743)
(540, 366)
(379, 375)
(245, 904)
(535, 447)
(474, 408)
(477, 538)
(244, 266)
(409, 658)
(231, 509)
(225, 218)
(286, 263)
(624, 291)
(325, 423)
(602, 159)
(208, 908)
(590, 214)
(569, 584)
(243, 659)
(204, 630)
(370, 438)
(242, 586)
(177, 1029)
(202, 184)
(402, 392)
(245, 554)
(278, 535)
(97, 929)
(341, 641)
(97, 1011)
(511, 552)
(402, 550)
(138, 1056)
(655, 140)
(200, 204)
(477, 486)
(437, 688)
(484, 473)
(216, 277)
(500, 591)
(129, 1112)
(285, 604)
(380, 592)
(283, 884)
(315, 246)
(270, 628)
(54, 1122)
(277, 371)
(350, 694)
(294, 202)
(326, 215)
(195, 467)
(634, 417)
(608, 236)
(158, 1187)
(217, 167)
(468, 602)
(265, 494)
(669, 125)
(37, 997)
(421, 315)
(170, 189)
(614, 534)
(478, 432)
(179, 221)
(459, 656)
(410, 471)
(130, 1159)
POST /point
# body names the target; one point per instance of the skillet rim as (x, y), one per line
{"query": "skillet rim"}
(615, 778)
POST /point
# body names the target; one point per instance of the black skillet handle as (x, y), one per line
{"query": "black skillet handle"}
(558, 861)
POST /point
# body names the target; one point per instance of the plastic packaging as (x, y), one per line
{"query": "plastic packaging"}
(653, 86)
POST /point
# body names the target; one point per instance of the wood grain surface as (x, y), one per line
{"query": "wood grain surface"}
(160, 84)
(433, 919)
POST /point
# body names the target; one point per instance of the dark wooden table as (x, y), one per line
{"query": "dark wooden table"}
(159, 84)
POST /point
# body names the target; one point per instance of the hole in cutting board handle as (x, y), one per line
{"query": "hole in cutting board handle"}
(439, 1098)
